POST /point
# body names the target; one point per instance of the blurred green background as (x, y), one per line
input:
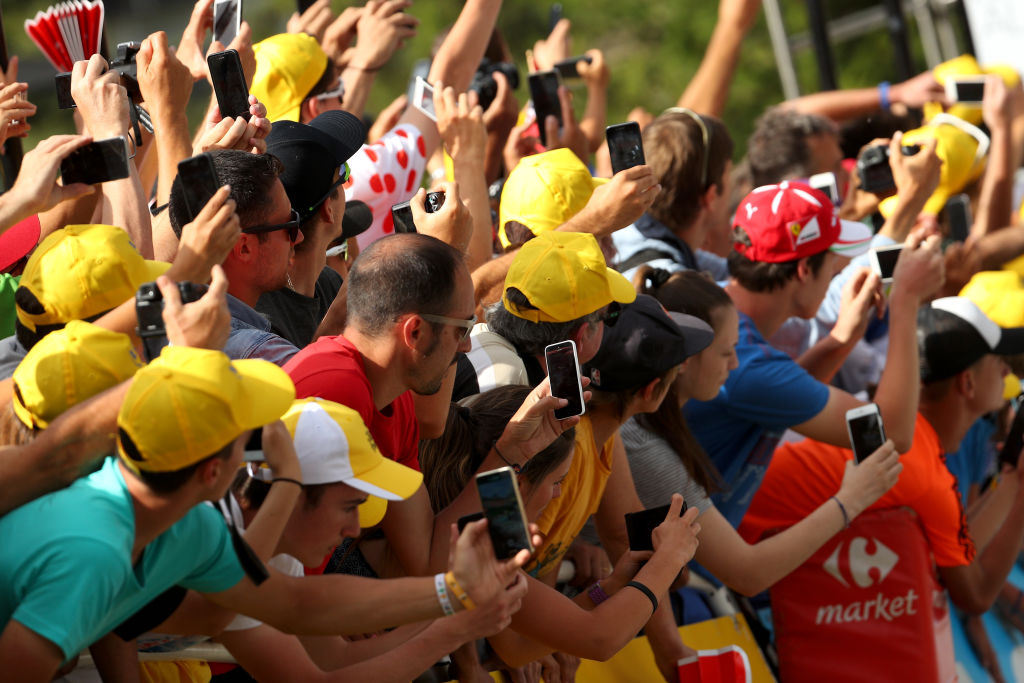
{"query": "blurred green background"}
(653, 49)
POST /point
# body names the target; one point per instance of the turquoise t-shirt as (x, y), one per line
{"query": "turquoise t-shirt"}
(65, 560)
(8, 313)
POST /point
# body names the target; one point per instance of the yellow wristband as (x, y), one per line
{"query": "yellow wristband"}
(457, 590)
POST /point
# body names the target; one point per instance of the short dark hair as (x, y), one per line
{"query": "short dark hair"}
(759, 276)
(675, 151)
(399, 274)
(165, 483)
(778, 148)
(527, 336)
(254, 491)
(250, 176)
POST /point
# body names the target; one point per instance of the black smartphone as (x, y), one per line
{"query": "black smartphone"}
(433, 202)
(229, 84)
(467, 519)
(227, 20)
(401, 216)
(554, 16)
(958, 216)
(503, 507)
(567, 67)
(304, 5)
(564, 373)
(1014, 441)
(199, 182)
(625, 146)
(149, 308)
(864, 425)
(639, 525)
(97, 162)
(544, 93)
(63, 84)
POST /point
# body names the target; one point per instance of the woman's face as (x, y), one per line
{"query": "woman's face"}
(537, 496)
(704, 374)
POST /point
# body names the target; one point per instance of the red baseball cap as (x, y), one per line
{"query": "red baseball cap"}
(792, 220)
(18, 240)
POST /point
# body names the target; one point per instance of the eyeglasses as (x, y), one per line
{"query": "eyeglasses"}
(291, 226)
(344, 173)
(705, 134)
(338, 91)
(610, 316)
(456, 322)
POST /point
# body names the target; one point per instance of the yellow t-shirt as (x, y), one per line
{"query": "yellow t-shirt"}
(564, 517)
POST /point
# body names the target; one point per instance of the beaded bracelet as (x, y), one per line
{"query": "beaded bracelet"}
(442, 595)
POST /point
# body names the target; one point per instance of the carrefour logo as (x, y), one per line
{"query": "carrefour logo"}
(865, 562)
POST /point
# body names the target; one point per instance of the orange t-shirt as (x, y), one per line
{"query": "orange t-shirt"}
(804, 475)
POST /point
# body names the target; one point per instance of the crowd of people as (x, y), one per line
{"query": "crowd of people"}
(289, 474)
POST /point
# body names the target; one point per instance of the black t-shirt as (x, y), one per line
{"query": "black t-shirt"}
(295, 316)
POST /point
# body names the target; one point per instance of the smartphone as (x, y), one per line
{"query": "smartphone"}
(462, 521)
(826, 182)
(97, 162)
(401, 217)
(227, 20)
(966, 90)
(229, 84)
(564, 373)
(567, 67)
(63, 84)
(883, 261)
(1014, 441)
(864, 424)
(503, 507)
(639, 525)
(199, 182)
(304, 5)
(433, 202)
(423, 98)
(554, 16)
(254, 447)
(958, 216)
(625, 146)
(544, 93)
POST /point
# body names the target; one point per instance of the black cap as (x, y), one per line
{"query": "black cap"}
(953, 334)
(312, 153)
(358, 219)
(645, 342)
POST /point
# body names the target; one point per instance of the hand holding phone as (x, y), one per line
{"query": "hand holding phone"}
(544, 93)
(640, 525)
(967, 90)
(149, 310)
(567, 67)
(564, 374)
(229, 84)
(227, 20)
(503, 507)
(199, 182)
(625, 146)
(97, 162)
(401, 218)
(864, 425)
(883, 261)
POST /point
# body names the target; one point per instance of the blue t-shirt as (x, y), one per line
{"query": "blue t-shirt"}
(65, 560)
(739, 429)
(972, 463)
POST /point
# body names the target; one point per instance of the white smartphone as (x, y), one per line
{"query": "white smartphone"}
(564, 373)
(826, 182)
(227, 20)
(864, 425)
(423, 98)
(883, 261)
(966, 90)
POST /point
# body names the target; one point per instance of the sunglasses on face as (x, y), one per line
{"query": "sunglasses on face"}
(291, 226)
(456, 322)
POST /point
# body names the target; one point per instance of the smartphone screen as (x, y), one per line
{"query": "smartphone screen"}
(564, 373)
(886, 260)
(63, 84)
(229, 84)
(401, 216)
(625, 146)
(969, 92)
(97, 162)
(544, 93)
(199, 182)
(254, 446)
(304, 5)
(866, 433)
(227, 15)
(958, 215)
(639, 526)
(506, 521)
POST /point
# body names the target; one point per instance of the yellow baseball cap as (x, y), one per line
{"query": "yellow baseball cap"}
(189, 403)
(81, 271)
(288, 65)
(68, 366)
(564, 275)
(963, 149)
(334, 445)
(545, 190)
(1000, 295)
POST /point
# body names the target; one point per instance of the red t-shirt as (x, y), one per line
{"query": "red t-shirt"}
(332, 368)
(804, 475)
